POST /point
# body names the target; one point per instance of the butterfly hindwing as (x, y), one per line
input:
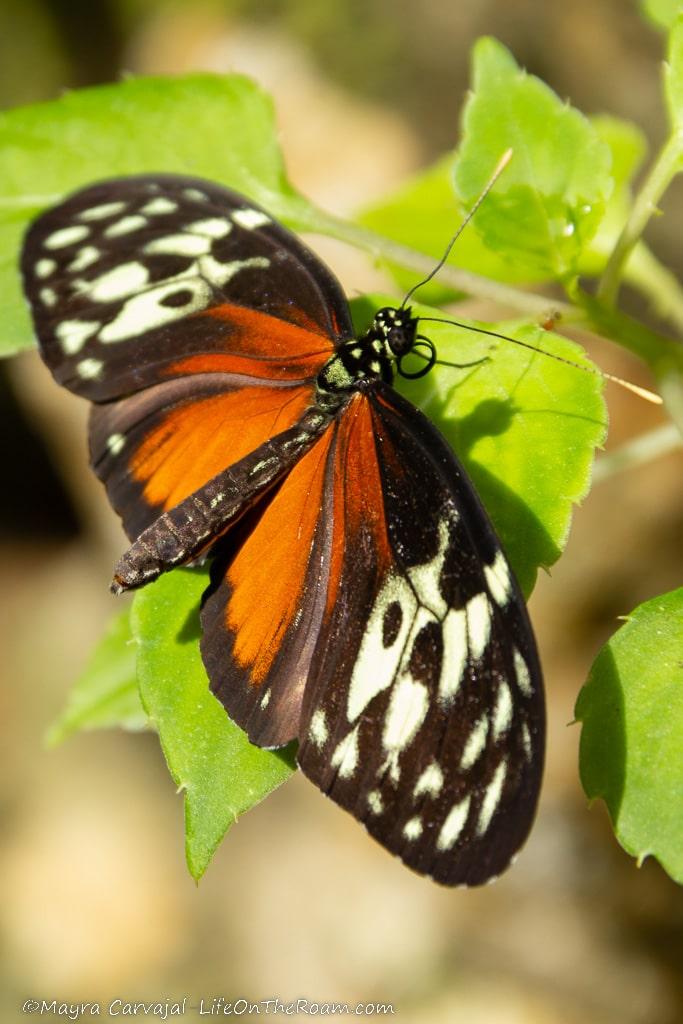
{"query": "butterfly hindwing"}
(423, 713)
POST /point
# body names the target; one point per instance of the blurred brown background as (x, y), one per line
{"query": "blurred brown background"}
(96, 901)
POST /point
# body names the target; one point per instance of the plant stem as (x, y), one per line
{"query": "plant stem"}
(656, 283)
(663, 170)
(640, 450)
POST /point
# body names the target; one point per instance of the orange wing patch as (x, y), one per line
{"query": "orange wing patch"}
(358, 499)
(199, 439)
(268, 574)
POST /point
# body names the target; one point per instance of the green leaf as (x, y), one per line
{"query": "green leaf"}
(221, 773)
(424, 214)
(218, 127)
(632, 738)
(106, 694)
(524, 425)
(662, 13)
(550, 199)
(628, 148)
(673, 75)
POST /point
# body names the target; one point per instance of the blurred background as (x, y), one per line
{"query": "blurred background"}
(95, 899)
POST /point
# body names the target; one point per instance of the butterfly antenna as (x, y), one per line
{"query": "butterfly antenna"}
(644, 393)
(500, 167)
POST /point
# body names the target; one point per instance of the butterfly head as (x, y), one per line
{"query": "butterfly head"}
(397, 327)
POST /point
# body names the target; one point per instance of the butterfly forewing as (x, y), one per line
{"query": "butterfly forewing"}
(148, 298)
(423, 714)
(127, 277)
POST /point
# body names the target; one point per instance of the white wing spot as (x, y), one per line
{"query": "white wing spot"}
(116, 443)
(158, 206)
(66, 236)
(412, 829)
(498, 579)
(73, 334)
(345, 756)
(45, 267)
(407, 710)
(89, 369)
(454, 659)
(430, 781)
(476, 741)
(522, 674)
(212, 227)
(85, 257)
(376, 664)
(250, 219)
(265, 700)
(124, 280)
(491, 799)
(425, 578)
(375, 802)
(502, 712)
(48, 296)
(478, 624)
(526, 740)
(102, 211)
(453, 825)
(127, 224)
(145, 311)
(195, 195)
(317, 731)
(179, 245)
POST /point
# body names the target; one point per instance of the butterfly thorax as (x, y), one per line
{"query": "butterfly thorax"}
(358, 363)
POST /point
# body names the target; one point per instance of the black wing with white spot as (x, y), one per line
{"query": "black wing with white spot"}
(423, 713)
(121, 275)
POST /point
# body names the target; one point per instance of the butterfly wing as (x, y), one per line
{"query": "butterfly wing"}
(194, 321)
(423, 711)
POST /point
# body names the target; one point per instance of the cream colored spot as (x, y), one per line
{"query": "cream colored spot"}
(127, 224)
(116, 443)
(250, 219)
(124, 280)
(48, 296)
(412, 829)
(491, 799)
(265, 700)
(453, 825)
(502, 713)
(522, 674)
(317, 731)
(498, 579)
(73, 334)
(158, 206)
(212, 227)
(406, 713)
(66, 236)
(102, 211)
(430, 781)
(345, 756)
(375, 802)
(376, 665)
(526, 740)
(85, 257)
(179, 245)
(478, 624)
(454, 659)
(195, 195)
(45, 267)
(89, 369)
(476, 741)
(425, 578)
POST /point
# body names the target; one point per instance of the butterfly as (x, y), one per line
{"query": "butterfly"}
(359, 599)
